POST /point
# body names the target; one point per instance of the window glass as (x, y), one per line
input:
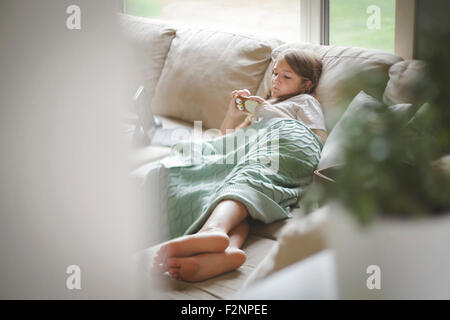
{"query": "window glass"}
(363, 23)
(275, 18)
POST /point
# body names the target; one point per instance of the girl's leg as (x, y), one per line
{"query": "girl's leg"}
(207, 265)
(226, 216)
(212, 237)
(238, 235)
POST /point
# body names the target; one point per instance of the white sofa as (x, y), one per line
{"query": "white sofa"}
(190, 72)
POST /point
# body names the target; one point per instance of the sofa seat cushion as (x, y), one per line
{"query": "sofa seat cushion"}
(203, 67)
(346, 71)
(143, 158)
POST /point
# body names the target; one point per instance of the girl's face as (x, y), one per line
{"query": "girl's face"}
(284, 80)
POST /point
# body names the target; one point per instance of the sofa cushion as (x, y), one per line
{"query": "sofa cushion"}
(203, 67)
(144, 157)
(407, 83)
(150, 43)
(331, 156)
(332, 150)
(346, 71)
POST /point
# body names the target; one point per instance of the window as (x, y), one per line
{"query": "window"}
(362, 23)
(379, 24)
(143, 8)
(279, 19)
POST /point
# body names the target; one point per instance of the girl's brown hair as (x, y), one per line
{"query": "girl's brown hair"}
(304, 63)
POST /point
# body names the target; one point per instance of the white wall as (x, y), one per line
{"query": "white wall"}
(64, 194)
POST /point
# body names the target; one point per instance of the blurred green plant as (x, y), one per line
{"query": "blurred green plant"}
(396, 166)
(389, 166)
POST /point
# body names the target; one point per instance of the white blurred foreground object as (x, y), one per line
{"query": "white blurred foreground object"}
(391, 258)
(311, 278)
(69, 224)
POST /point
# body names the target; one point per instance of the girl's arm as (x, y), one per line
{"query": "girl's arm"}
(247, 121)
(230, 123)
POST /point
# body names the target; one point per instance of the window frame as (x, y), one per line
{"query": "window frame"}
(311, 21)
(325, 22)
(405, 23)
(314, 21)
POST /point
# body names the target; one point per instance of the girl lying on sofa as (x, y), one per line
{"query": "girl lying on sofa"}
(208, 202)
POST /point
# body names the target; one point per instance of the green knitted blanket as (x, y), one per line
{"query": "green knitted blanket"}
(265, 166)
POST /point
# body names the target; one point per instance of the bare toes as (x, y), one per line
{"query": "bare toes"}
(162, 252)
(188, 269)
(159, 268)
(174, 273)
(160, 256)
(173, 263)
(157, 260)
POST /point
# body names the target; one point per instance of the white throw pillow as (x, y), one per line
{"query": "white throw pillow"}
(332, 151)
(346, 71)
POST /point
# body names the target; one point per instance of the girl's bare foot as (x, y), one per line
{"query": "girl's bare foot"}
(201, 242)
(206, 265)
(175, 273)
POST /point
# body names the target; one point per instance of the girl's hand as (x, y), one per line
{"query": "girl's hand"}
(262, 104)
(235, 118)
(257, 99)
(242, 93)
(233, 111)
(246, 93)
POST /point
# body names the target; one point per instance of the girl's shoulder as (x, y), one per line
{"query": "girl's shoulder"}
(304, 98)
